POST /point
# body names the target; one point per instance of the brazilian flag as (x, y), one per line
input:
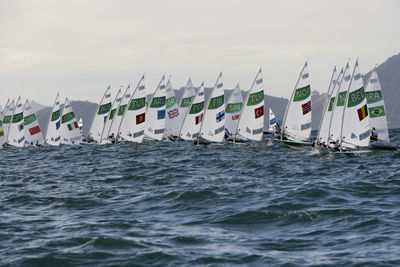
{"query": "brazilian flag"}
(378, 111)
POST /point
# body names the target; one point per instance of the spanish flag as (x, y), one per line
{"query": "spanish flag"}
(362, 112)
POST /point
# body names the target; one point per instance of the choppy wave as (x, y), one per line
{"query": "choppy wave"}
(172, 203)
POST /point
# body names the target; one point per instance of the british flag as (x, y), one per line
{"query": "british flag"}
(173, 113)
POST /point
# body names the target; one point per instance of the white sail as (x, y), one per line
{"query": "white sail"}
(213, 126)
(116, 123)
(187, 99)
(355, 123)
(326, 113)
(297, 120)
(155, 113)
(376, 107)
(110, 119)
(33, 132)
(70, 133)
(192, 122)
(233, 108)
(134, 119)
(251, 122)
(272, 121)
(16, 134)
(172, 114)
(101, 116)
(7, 118)
(2, 130)
(80, 124)
(339, 93)
(53, 134)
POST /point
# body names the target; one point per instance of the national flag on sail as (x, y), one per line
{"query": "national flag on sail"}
(69, 126)
(21, 126)
(76, 124)
(1, 132)
(140, 118)
(362, 112)
(161, 114)
(220, 116)
(306, 107)
(34, 130)
(173, 113)
(259, 112)
(272, 121)
(199, 118)
(235, 117)
(58, 125)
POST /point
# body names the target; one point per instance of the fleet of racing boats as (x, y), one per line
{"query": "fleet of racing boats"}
(353, 117)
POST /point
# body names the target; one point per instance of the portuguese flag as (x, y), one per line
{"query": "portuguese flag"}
(34, 130)
(362, 112)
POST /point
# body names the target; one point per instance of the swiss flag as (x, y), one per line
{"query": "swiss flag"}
(140, 118)
(235, 117)
(258, 112)
(34, 130)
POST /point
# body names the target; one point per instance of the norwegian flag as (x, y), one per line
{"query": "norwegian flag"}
(173, 113)
(306, 107)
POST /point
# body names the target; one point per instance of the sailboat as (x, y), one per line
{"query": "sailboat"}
(355, 129)
(155, 113)
(53, 134)
(251, 121)
(100, 117)
(172, 114)
(133, 121)
(2, 130)
(337, 106)
(322, 137)
(271, 123)
(191, 125)
(233, 109)
(377, 112)
(16, 134)
(213, 127)
(80, 124)
(187, 99)
(110, 118)
(33, 132)
(70, 133)
(8, 113)
(296, 128)
(116, 122)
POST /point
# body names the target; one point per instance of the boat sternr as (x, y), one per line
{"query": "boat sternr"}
(53, 134)
(16, 133)
(101, 115)
(377, 113)
(233, 109)
(251, 121)
(173, 120)
(109, 120)
(70, 133)
(296, 128)
(213, 127)
(133, 121)
(191, 125)
(33, 132)
(155, 113)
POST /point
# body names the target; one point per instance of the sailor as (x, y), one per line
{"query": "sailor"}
(374, 134)
(112, 138)
(277, 128)
(227, 134)
(38, 144)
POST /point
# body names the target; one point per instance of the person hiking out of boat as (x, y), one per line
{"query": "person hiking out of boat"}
(277, 128)
(227, 134)
(30, 145)
(112, 138)
(38, 144)
(374, 134)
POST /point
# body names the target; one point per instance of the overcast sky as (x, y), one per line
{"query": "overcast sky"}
(79, 47)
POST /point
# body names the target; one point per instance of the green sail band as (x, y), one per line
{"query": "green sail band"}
(216, 102)
(302, 93)
(331, 102)
(196, 108)
(67, 117)
(137, 103)
(7, 119)
(55, 115)
(373, 96)
(18, 117)
(121, 110)
(234, 107)
(356, 97)
(186, 102)
(255, 98)
(103, 109)
(341, 99)
(170, 102)
(29, 119)
(112, 113)
(158, 102)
